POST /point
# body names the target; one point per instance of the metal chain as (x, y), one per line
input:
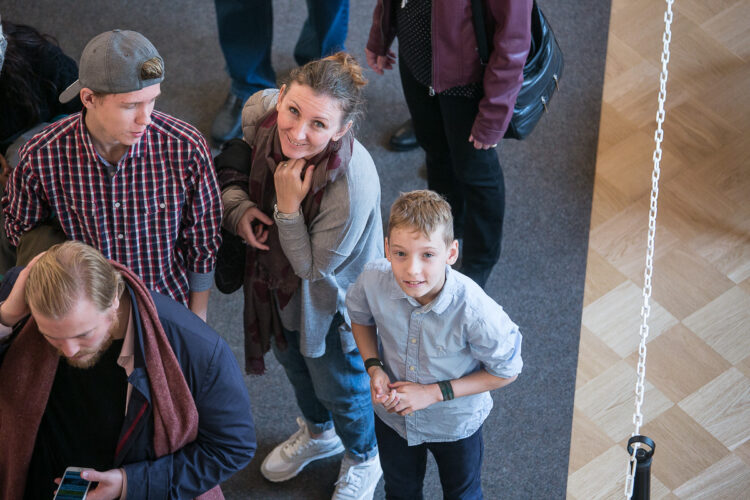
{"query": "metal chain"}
(646, 308)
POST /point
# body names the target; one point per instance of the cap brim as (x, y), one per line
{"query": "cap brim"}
(71, 92)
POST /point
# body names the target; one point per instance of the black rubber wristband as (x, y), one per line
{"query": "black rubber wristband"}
(446, 389)
(370, 362)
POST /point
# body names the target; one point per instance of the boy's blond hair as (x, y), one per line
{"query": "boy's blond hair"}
(68, 272)
(424, 211)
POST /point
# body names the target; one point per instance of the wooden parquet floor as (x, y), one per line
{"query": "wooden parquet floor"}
(697, 397)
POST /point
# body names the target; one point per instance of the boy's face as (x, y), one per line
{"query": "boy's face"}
(418, 262)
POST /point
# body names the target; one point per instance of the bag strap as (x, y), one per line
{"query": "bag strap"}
(477, 11)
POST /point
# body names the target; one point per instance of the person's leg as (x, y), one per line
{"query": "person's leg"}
(429, 128)
(295, 365)
(403, 466)
(342, 386)
(38, 240)
(245, 36)
(324, 31)
(460, 464)
(316, 437)
(478, 174)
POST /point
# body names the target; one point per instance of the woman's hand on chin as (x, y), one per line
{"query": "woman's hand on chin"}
(292, 185)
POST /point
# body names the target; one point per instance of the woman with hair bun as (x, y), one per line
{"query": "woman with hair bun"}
(308, 208)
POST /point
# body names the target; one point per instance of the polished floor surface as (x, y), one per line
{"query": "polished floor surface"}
(697, 392)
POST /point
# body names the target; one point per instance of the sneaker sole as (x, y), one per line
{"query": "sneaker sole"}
(281, 478)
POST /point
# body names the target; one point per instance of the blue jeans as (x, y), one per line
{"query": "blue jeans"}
(459, 465)
(246, 34)
(332, 391)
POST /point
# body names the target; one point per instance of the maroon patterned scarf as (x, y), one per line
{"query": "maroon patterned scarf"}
(269, 276)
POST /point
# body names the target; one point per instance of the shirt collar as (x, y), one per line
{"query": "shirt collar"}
(441, 302)
(126, 359)
(83, 132)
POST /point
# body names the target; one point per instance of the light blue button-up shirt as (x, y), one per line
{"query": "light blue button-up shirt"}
(461, 331)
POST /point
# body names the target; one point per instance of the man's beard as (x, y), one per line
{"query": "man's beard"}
(97, 352)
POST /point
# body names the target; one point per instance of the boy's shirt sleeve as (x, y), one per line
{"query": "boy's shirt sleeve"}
(357, 304)
(496, 343)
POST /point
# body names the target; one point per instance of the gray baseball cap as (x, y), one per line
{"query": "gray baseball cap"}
(111, 63)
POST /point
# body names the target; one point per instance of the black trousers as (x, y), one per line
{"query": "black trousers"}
(470, 179)
(459, 465)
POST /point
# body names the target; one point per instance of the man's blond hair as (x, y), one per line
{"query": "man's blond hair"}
(68, 272)
(422, 210)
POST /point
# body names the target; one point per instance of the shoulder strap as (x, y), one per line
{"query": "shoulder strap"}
(477, 11)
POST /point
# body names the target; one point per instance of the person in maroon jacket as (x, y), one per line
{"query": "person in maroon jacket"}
(460, 109)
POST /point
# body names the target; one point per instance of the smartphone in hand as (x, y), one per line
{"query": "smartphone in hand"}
(72, 486)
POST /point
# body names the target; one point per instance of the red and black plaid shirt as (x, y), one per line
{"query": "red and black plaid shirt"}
(158, 212)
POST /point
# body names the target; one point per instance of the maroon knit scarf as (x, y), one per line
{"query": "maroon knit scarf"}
(268, 274)
(26, 378)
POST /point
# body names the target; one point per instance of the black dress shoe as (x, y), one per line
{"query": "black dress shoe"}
(404, 138)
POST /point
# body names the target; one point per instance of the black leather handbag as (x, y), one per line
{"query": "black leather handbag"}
(229, 274)
(541, 72)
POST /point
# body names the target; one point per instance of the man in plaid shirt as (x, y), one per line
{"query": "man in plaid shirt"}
(135, 183)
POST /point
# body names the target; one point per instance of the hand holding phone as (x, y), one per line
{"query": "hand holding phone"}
(110, 484)
(72, 486)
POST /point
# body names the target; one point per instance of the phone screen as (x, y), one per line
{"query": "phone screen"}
(72, 486)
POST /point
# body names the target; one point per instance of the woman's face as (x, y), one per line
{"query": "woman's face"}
(307, 121)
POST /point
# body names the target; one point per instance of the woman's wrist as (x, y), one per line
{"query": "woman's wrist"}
(233, 214)
(280, 212)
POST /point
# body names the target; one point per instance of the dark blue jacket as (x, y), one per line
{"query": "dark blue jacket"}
(226, 434)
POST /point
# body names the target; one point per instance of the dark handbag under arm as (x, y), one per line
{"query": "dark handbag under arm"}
(232, 169)
(541, 72)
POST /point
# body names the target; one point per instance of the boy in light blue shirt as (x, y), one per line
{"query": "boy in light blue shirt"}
(434, 345)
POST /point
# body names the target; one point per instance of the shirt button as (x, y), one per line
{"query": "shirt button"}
(162, 205)
(412, 368)
(117, 204)
(413, 341)
(120, 236)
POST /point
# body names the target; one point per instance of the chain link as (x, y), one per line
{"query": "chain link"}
(646, 307)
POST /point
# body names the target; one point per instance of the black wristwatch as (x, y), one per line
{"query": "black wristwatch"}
(370, 362)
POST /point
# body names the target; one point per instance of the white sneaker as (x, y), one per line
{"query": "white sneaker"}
(290, 457)
(357, 480)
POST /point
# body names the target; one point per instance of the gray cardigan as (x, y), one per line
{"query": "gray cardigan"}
(330, 251)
